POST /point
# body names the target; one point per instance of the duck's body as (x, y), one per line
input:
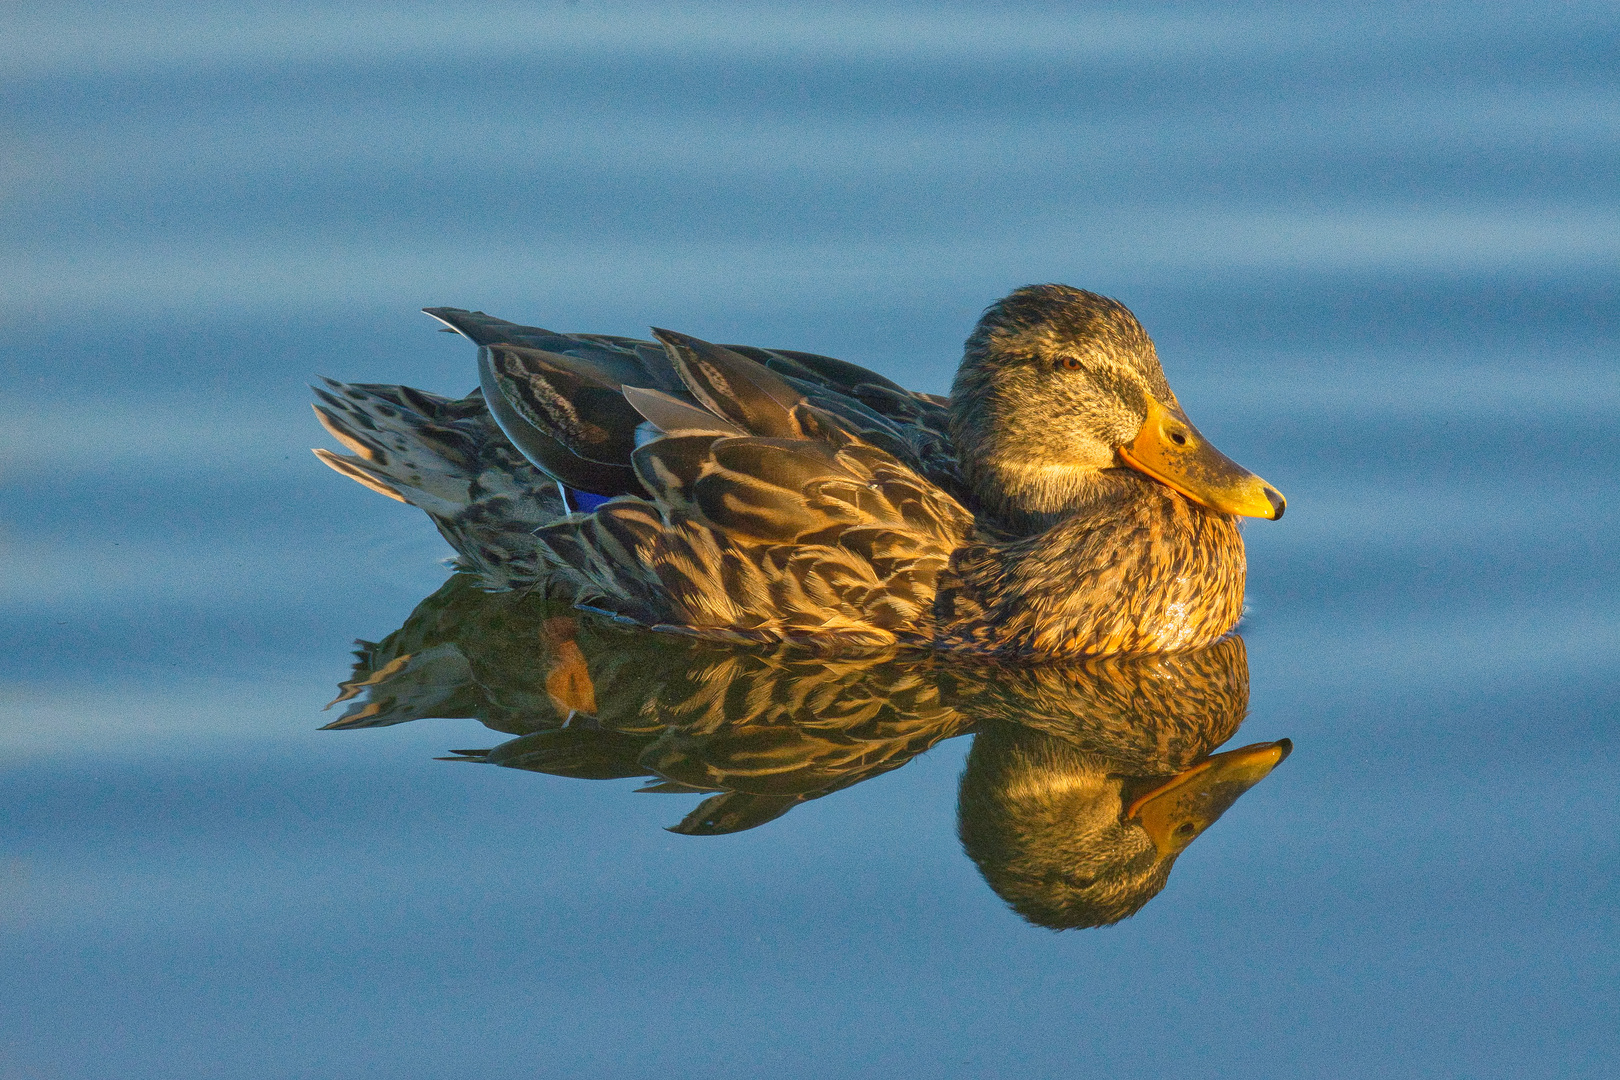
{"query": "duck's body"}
(1058, 504)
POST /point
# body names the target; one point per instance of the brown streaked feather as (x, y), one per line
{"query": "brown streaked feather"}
(752, 537)
(569, 402)
(909, 425)
(782, 496)
(668, 467)
(544, 449)
(732, 386)
(1150, 572)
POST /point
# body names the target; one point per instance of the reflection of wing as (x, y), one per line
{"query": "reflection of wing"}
(463, 652)
(765, 731)
(809, 730)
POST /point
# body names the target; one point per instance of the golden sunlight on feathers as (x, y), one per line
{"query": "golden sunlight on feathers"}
(767, 495)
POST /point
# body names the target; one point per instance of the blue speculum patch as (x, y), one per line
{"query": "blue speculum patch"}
(584, 501)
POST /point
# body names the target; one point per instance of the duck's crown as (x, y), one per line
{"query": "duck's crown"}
(1055, 320)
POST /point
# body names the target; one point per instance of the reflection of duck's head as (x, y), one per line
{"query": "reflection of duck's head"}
(1068, 841)
(1077, 822)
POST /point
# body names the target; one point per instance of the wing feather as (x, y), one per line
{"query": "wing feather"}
(669, 414)
(732, 386)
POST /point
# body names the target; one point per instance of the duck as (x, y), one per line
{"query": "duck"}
(1058, 504)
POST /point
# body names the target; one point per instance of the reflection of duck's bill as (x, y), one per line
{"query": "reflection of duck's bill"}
(1175, 813)
(1173, 452)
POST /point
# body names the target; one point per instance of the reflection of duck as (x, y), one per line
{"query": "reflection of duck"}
(1059, 503)
(1084, 783)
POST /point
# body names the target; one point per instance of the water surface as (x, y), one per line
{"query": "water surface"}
(1376, 249)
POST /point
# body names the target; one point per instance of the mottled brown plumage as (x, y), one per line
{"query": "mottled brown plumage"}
(770, 496)
(1141, 568)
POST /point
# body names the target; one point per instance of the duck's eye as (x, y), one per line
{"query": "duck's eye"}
(1069, 363)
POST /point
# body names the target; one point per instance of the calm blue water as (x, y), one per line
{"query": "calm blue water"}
(1378, 250)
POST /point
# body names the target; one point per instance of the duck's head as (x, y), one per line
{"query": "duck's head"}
(1058, 387)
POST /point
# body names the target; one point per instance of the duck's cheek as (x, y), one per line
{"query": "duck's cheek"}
(1070, 451)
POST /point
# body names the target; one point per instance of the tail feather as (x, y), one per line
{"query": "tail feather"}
(356, 470)
(447, 457)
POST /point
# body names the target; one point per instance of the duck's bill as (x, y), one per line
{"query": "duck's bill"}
(1173, 452)
(1177, 812)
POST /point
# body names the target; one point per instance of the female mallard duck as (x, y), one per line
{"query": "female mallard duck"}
(1058, 504)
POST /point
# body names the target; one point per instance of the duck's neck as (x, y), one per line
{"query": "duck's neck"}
(1028, 499)
(1138, 569)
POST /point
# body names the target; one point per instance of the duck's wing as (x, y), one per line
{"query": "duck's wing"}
(556, 396)
(762, 504)
(801, 529)
(919, 422)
